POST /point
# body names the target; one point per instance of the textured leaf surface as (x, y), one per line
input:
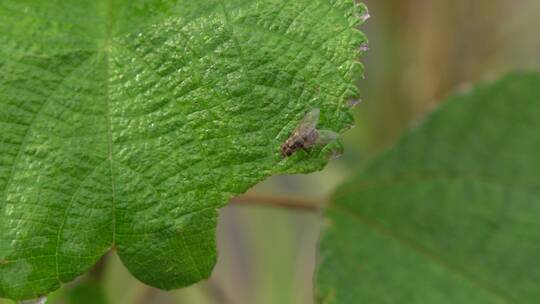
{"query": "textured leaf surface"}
(451, 214)
(128, 123)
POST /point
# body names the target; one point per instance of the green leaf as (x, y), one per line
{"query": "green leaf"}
(127, 124)
(451, 214)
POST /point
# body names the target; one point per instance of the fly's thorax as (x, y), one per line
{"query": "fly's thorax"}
(286, 150)
(306, 135)
(294, 143)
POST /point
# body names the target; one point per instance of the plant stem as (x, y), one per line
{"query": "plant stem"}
(290, 202)
(97, 271)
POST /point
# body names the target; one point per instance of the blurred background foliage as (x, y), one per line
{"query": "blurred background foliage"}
(420, 51)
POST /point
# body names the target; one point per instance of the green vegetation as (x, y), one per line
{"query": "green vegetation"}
(448, 215)
(127, 125)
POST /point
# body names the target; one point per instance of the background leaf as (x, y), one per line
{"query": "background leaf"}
(128, 123)
(451, 214)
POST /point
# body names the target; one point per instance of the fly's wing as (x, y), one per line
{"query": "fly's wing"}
(326, 136)
(309, 122)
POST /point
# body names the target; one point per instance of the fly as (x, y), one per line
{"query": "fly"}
(306, 135)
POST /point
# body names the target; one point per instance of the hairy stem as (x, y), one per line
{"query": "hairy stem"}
(290, 202)
(99, 268)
